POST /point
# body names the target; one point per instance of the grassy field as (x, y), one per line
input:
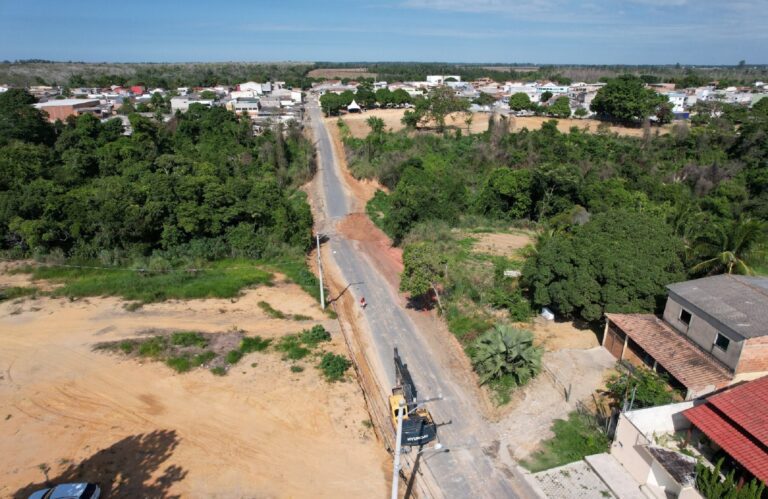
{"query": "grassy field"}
(575, 438)
(223, 279)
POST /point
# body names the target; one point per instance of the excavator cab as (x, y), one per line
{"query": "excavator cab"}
(418, 426)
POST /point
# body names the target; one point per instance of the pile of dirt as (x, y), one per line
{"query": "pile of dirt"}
(501, 243)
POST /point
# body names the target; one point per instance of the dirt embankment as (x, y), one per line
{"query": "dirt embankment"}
(71, 413)
(360, 129)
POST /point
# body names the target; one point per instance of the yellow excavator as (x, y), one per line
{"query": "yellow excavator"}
(418, 426)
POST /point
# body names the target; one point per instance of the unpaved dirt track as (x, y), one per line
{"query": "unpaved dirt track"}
(475, 467)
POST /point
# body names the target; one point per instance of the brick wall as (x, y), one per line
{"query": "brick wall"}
(754, 356)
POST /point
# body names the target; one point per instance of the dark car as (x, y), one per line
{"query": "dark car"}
(69, 491)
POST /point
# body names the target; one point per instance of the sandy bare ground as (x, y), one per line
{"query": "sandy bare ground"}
(392, 117)
(260, 431)
(555, 336)
(501, 243)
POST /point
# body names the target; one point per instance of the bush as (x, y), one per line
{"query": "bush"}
(505, 351)
(291, 348)
(186, 339)
(710, 485)
(254, 344)
(127, 346)
(296, 369)
(203, 358)
(153, 347)
(318, 334)
(575, 438)
(334, 366)
(233, 356)
(179, 364)
(219, 371)
(650, 388)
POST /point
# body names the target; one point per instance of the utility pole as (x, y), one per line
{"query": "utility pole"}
(398, 446)
(320, 271)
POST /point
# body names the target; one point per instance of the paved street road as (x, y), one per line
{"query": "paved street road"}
(469, 470)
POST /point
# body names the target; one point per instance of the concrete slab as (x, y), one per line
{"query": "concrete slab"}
(615, 476)
(572, 481)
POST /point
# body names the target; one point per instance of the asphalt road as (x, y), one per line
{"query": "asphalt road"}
(470, 469)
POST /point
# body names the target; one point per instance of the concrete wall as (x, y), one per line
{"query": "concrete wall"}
(661, 419)
(625, 449)
(702, 331)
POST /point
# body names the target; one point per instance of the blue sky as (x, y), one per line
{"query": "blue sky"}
(537, 31)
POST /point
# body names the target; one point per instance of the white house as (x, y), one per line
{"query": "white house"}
(440, 79)
(182, 102)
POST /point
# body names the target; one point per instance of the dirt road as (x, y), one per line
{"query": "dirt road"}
(475, 467)
(69, 413)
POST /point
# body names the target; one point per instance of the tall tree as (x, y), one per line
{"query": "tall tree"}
(728, 247)
(627, 100)
(20, 121)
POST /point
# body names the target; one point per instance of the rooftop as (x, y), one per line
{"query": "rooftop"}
(740, 303)
(67, 102)
(685, 361)
(737, 421)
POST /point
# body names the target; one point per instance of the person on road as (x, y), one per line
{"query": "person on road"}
(363, 303)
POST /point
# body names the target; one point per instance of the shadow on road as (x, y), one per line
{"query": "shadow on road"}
(127, 468)
(331, 300)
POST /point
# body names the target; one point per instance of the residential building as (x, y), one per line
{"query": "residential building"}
(440, 79)
(182, 102)
(64, 108)
(714, 332)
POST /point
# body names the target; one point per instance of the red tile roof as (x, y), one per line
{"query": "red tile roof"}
(690, 365)
(737, 420)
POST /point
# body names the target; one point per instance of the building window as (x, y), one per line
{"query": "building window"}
(722, 342)
(685, 316)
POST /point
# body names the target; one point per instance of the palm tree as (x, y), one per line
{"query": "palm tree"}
(729, 247)
(506, 351)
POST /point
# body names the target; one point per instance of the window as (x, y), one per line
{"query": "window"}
(685, 316)
(722, 342)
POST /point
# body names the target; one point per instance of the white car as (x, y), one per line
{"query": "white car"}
(69, 491)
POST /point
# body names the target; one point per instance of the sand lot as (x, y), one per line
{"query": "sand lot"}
(392, 117)
(141, 430)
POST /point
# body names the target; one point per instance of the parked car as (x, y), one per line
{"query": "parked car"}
(69, 491)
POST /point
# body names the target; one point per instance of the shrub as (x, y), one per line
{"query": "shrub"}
(575, 438)
(203, 358)
(153, 347)
(255, 344)
(506, 352)
(234, 356)
(334, 366)
(179, 364)
(650, 388)
(296, 369)
(291, 348)
(187, 339)
(127, 346)
(709, 483)
(301, 317)
(219, 371)
(311, 337)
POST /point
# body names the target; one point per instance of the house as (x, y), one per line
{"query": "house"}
(182, 102)
(62, 109)
(735, 422)
(137, 89)
(440, 79)
(714, 332)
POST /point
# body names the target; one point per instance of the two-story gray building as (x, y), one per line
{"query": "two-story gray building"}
(714, 332)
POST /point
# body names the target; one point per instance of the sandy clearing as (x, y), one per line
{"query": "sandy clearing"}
(500, 243)
(555, 336)
(392, 117)
(260, 431)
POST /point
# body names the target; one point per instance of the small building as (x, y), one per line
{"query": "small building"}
(736, 423)
(714, 332)
(182, 102)
(62, 109)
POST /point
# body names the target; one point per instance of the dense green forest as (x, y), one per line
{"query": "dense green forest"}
(201, 186)
(617, 217)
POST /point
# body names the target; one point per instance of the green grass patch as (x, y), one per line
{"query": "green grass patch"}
(313, 337)
(219, 371)
(301, 317)
(333, 366)
(378, 209)
(222, 279)
(127, 346)
(233, 356)
(179, 364)
(502, 389)
(254, 344)
(189, 339)
(203, 358)
(575, 438)
(271, 312)
(153, 347)
(298, 273)
(291, 348)
(17, 292)
(466, 326)
(296, 369)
